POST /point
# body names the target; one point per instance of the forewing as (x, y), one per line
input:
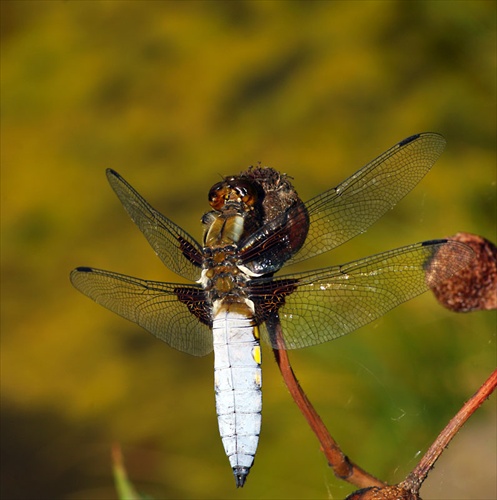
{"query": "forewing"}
(164, 309)
(347, 210)
(319, 306)
(175, 247)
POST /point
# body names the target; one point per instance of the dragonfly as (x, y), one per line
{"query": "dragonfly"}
(256, 225)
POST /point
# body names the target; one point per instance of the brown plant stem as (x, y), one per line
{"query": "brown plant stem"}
(342, 466)
(416, 478)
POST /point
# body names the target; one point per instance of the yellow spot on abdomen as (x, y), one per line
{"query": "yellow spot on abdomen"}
(256, 354)
(257, 334)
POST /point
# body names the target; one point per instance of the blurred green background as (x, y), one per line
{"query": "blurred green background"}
(172, 95)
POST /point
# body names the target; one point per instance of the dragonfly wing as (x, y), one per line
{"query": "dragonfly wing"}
(175, 313)
(339, 214)
(319, 306)
(175, 247)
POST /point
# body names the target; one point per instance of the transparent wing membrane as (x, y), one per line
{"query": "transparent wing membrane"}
(151, 304)
(325, 304)
(176, 248)
(339, 214)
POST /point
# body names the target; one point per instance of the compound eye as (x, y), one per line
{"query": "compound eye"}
(246, 192)
(218, 195)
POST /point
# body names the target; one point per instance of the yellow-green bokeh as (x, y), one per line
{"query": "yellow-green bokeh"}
(172, 95)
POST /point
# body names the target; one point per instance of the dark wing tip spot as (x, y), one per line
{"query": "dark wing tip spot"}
(433, 242)
(84, 269)
(111, 173)
(409, 139)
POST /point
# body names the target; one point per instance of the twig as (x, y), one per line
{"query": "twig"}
(342, 467)
(415, 479)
